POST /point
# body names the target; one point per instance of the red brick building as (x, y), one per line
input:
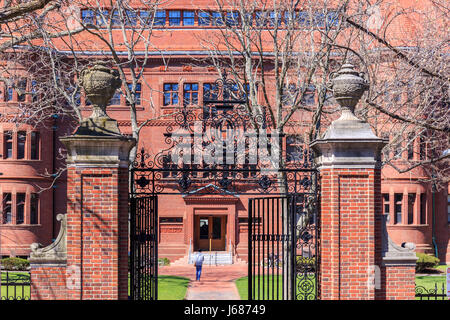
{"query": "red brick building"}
(417, 213)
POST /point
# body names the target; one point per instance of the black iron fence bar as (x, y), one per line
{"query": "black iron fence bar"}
(17, 286)
(431, 293)
(250, 249)
(292, 273)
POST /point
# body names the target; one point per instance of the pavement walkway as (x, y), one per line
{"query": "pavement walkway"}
(216, 282)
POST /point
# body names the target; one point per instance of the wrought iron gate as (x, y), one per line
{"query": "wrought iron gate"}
(283, 248)
(144, 247)
(229, 135)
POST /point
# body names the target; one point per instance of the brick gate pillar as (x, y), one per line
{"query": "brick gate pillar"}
(351, 244)
(97, 197)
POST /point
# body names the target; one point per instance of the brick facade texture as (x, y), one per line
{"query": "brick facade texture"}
(48, 282)
(351, 240)
(97, 232)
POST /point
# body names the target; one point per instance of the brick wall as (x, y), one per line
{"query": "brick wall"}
(397, 283)
(348, 210)
(48, 282)
(97, 232)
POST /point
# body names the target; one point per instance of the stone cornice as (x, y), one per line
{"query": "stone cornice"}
(210, 199)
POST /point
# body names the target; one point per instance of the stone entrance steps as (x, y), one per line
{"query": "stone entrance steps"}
(211, 258)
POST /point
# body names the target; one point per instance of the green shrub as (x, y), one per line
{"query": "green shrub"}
(16, 264)
(425, 262)
(163, 261)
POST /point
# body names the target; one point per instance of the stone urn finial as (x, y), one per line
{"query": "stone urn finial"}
(99, 83)
(348, 85)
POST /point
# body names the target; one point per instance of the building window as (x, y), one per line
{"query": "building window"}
(386, 204)
(21, 90)
(217, 19)
(115, 19)
(276, 18)
(332, 19)
(130, 18)
(289, 95)
(261, 18)
(397, 149)
(411, 202)
(210, 91)
(87, 16)
(188, 18)
(34, 150)
(160, 18)
(174, 17)
(8, 145)
(20, 208)
(170, 220)
(422, 148)
(7, 208)
(34, 208)
(423, 208)
(17, 149)
(170, 94)
(116, 99)
(398, 198)
(21, 143)
(303, 18)
(190, 93)
(309, 96)
(137, 93)
(102, 18)
(411, 146)
(294, 148)
(232, 19)
(204, 18)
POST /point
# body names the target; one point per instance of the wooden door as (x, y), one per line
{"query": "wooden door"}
(210, 233)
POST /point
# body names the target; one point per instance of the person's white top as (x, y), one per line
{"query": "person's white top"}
(199, 259)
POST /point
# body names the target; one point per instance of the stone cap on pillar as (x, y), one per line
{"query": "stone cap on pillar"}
(349, 142)
(104, 151)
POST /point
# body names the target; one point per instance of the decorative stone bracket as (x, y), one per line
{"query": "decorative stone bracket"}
(392, 253)
(55, 253)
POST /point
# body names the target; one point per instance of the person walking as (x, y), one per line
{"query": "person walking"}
(198, 264)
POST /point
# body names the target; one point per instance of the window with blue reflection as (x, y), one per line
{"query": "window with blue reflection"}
(232, 18)
(115, 19)
(319, 20)
(137, 93)
(87, 16)
(309, 96)
(190, 93)
(174, 17)
(332, 19)
(204, 18)
(261, 18)
(131, 18)
(209, 91)
(170, 94)
(115, 101)
(303, 18)
(102, 18)
(217, 19)
(188, 18)
(160, 18)
(275, 18)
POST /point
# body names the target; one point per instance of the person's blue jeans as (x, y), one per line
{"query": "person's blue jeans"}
(199, 272)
